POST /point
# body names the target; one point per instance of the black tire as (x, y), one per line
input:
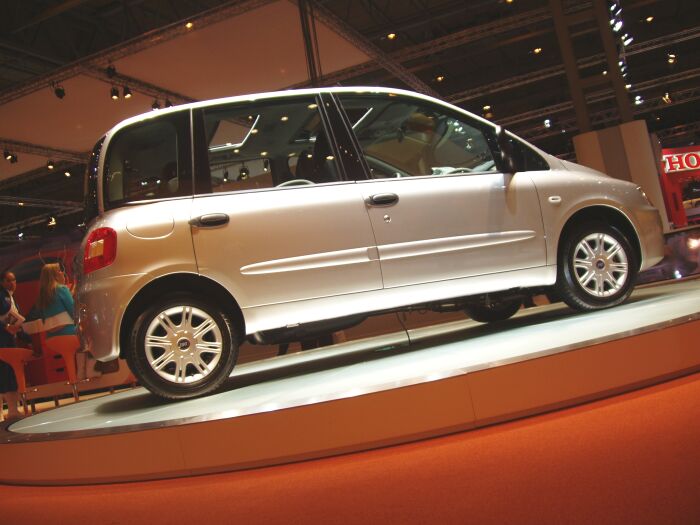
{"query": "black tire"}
(493, 312)
(605, 284)
(194, 333)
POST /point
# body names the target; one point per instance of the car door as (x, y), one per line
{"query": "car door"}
(274, 219)
(439, 206)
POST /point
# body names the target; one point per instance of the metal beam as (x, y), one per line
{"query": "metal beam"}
(33, 221)
(16, 146)
(343, 29)
(32, 202)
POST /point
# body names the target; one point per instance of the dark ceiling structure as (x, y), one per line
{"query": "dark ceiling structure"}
(503, 59)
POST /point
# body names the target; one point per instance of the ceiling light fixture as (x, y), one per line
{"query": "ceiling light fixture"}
(667, 98)
(114, 93)
(391, 36)
(189, 25)
(50, 165)
(649, 19)
(126, 92)
(440, 78)
(156, 105)
(13, 159)
(168, 104)
(59, 91)
(537, 50)
(67, 173)
(671, 58)
(7, 155)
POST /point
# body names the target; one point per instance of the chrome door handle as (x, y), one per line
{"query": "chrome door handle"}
(382, 199)
(210, 220)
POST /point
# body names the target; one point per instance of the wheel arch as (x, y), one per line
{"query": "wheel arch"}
(608, 214)
(180, 282)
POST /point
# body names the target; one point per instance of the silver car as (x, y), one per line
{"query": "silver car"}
(279, 216)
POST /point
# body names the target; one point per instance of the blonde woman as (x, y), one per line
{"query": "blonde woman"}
(55, 302)
(55, 306)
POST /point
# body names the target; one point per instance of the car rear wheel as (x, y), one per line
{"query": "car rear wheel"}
(492, 312)
(182, 347)
(597, 267)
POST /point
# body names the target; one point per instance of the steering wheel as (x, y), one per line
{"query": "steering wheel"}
(295, 182)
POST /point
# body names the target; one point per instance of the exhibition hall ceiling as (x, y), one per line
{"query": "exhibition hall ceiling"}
(497, 58)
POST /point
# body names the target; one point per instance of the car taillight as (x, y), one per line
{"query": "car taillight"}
(100, 249)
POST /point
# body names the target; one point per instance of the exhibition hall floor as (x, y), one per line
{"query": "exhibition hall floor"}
(367, 394)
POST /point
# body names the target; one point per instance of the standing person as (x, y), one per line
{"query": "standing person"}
(8, 382)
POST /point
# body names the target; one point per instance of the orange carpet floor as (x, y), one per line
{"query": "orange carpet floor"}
(629, 459)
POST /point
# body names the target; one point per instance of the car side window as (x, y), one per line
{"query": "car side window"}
(273, 143)
(148, 160)
(526, 159)
(403, 137)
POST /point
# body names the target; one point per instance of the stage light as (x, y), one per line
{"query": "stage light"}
(13, 159)
(667, 98)
(127, 92)
(671, 58)
(114, 93)
(189, 25)
(649, 19)
(440, 78)
(391, 36)
(7, 155)
(547, 123)
(50, 165)
(52, 222)
(537, 50)
(59, 91)
(67, 173)
(168, 104)
(156, 105)
(638, 100)
(20, 235)
(243, 173)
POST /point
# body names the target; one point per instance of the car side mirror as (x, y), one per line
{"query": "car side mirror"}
(505, 146)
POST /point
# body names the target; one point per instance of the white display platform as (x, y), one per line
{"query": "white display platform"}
(364, 394)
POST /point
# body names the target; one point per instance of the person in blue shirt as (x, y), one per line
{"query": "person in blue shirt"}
(55, 301)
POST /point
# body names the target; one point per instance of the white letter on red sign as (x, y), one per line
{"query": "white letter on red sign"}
(692, 160)
(674, 163)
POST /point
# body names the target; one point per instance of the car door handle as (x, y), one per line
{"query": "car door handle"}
(382, 199)
(210, 220)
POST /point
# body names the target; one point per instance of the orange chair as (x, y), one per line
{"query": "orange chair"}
(67, 346)
(17, 358)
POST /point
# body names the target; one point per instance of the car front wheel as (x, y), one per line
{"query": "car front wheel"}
(182, 347)
(597, 267)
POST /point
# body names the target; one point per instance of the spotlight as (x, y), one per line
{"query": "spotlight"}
(111, 71)
(391, 36)
(7, 155)
(547, 123)
(13, 159)
(67, 173)
(440, 78)
(189, 25)
(51, 222)
(114, 93)
(20, 235)
(243, 173)
(168, 104)
(127, 92)
(59, 91)
(50, 165)
(649, 19)
(156, 105)
(667, 98)
(537, 50)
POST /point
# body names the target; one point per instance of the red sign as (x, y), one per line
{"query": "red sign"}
(676, 162)
(679, 166)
